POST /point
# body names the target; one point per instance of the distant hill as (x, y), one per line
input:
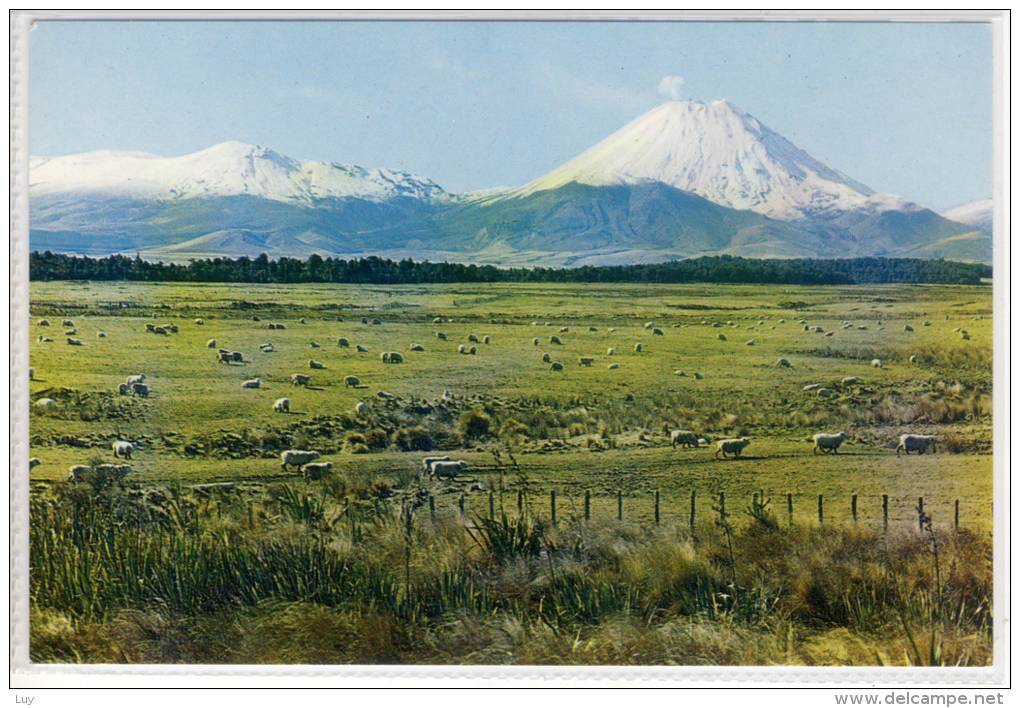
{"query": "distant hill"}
(683, 180)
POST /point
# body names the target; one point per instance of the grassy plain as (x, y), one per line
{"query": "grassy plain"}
(583, 429)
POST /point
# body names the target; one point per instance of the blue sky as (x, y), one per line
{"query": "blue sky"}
(904, 108)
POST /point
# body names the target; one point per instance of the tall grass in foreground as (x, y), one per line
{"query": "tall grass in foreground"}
(118, 575)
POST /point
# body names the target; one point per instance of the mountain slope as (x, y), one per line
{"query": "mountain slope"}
(980, 214)
(682, 180)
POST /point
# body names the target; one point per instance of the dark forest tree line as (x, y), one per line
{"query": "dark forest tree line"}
(316, 269)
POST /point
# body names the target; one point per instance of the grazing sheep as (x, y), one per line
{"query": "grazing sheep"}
(487, 339)
(237, 356)
(267, 348)
(426, 463)
(67, 323)
(828, 443)
(614, 365)
(252, 383)
(850, 380)
(555, 340)
(534, 341)
(585, 361)
(611, 351)
(876, 363)
(649, 325)
(907, 328)
(136, 378)
(123, 389)
(783, 362)
(360, 348)
(377, 321)
(462, 349)
(225, 357)
(211, 344)
(101, 334)
(638, 347)
(159, 330)
(441, 335)
(680, 372)
(78, 473)
(546, 357)
(398, 358)
(298, 458)
(472, 337)
(829, 334)
(300, 379)
(698, 375)
(360, 408)
(34, 462)
(352, 382)
(913, 358)
(256, 318)
(140, 389)
(313, 364)
(912, 442)
(302, 321)
(731, 446)
(750, 342)
(927, 323)
(45, 339)
(45, 404)
(437, 320)
(448, 468)
(556, 366)
(314, 471)
(199, 321)
(964, 335)
(611, 330)
(314, 345)
(656, 332)
(812, 387)
(564, 329)
(824, 393)
(721, 337)
(122, 448)
(593, 329)
(473, 350)
(74, 342)
(683, 438)
(343, 343)
(44, 323)
(281, 405)
(417, 348)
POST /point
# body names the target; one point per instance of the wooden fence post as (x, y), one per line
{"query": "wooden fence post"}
(552, 505)
(619, 505)
(694, 499)
(789, 508)
(656, 507)
(722, 506)
(920, 513)
(460, 504)
(956, 515)
(520, 502)
(821, 513)
(853, 507)
(587, 507)
(885, 512)
(432, 507)
(492, 506)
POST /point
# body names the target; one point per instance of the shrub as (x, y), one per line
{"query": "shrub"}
(473, 425)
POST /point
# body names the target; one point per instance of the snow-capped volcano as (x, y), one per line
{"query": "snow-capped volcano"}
(225, 170)
(718, 152)
(980, 214)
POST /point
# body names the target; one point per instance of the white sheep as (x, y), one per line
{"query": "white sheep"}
(731, 446)
(782, 362)
(611, 351)
(252, 383)
(585, 360)
(683, 438)
(638, 347)
(297, 458)
(211, 344)
(343, 342)
(316, 470)
(614, 365)
(449, 468)
(351, 382)
(462, 349)
(417, 348)
(913, 442)
(876, 363)
(556, 366)
(282, 405)
(721, 337)
(300, 379)
(313, 364)
(122, 448)
(46, 404)
(137, 378)
(426, 463)
(828, 443)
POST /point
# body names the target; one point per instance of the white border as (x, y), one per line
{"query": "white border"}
(25, 674)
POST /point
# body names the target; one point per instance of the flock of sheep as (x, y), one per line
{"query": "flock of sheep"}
(306, 461)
